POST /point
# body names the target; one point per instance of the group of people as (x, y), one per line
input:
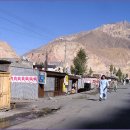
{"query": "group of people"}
(103, 86)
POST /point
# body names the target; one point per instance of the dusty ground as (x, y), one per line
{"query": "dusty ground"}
(85, 111)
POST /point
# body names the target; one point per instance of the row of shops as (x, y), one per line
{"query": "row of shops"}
(27, 81)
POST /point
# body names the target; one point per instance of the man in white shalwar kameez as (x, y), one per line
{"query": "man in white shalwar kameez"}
(103, 87)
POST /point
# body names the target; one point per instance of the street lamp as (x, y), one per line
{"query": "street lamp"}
(64, 66)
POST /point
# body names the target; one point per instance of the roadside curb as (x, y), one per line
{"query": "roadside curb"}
(14, 116)
(35, 114)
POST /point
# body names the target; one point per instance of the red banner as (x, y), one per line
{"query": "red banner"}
(24, 79)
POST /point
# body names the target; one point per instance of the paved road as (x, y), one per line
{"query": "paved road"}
(87, 112)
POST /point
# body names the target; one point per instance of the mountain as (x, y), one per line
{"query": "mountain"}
(120, 29)
(108, 44)
(6, 51)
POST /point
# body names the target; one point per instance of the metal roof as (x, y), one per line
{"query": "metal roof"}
(55, 74)
(5, 62)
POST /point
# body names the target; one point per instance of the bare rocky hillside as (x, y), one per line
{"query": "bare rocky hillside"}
(120, 29)
(108, 44)
(6, 51)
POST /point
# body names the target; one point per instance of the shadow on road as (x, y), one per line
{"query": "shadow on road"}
(91, 99)
(120, 121)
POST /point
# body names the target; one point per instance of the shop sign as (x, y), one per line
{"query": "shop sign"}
(66, 80)
(42, 78)
(24, 79)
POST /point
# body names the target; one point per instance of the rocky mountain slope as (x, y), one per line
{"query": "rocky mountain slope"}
(6, 51)
(108, 44)
(121, 29)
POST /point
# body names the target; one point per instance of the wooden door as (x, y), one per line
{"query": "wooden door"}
(41, 90)
(4, 90)
(58, 86)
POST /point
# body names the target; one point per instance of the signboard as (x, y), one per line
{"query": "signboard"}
(42, 78)
(24, 79)
(66, 80)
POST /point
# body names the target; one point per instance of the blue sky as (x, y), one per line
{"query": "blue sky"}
(28, 24)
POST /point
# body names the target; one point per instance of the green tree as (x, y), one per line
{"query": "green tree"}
(114, 71)
(119, 74)
(90, 71)
(123, 76)
(80, 62)
(72, 69)
(111, 69)
(126, 76)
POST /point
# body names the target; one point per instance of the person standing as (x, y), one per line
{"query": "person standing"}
(115, 85)
(103, 87)
(124, 82)
(111, 85)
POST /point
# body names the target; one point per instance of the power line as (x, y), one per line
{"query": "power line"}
(25, 28)
(24, 21)
(26, 25)
(18, 32)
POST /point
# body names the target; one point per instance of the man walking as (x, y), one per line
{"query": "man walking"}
(103, 88)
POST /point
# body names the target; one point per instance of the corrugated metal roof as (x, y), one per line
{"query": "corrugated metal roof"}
(5, 62)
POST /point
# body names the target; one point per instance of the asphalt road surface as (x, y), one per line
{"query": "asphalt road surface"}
(88, 112)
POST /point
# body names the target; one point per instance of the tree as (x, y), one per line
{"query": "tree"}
(72, 69)
(90, 71)
(111, 69)
(80, 62)
(123, 76)
(114, 71)
(119, 74)
(126, 76)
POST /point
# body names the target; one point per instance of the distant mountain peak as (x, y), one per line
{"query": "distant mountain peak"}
(124, 22)
(119, 29)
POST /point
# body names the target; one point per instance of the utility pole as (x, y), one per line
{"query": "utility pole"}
(46, 61)
(65, 55)
(64, 64)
